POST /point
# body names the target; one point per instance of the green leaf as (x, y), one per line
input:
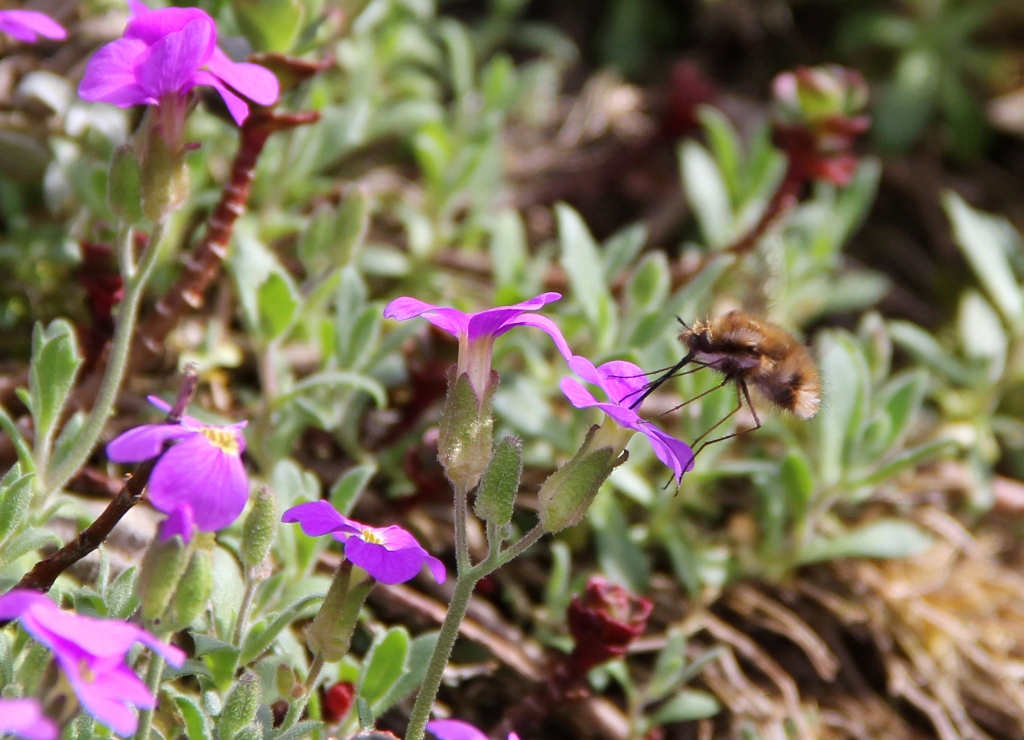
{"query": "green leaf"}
(687, 706)
(384, 665)
(278, 303)
(620, 249)
(365, 713)
(670, 667)
(582, 263)
(270, 25)
(21, 446)
(887, 539)
(25, 542)
(987, 242)
(15, 498)
(121, 598)
(55, 362)
(350, 486)
(258, 640)
(650, 282)
(706, 192)
(461, 58)
(499, 485)
(335, 379)
(508, 247)
(197, 726)
(300, 731)
(926, 350)
(982, 334)
(846, 381)
(798, 482)
(901, 398)
(420, 652)
(725, 145)
(622, 560)
(904, 461)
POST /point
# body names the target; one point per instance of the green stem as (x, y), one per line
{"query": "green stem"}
(298, 706)
(520, 547)
(461, 535)
(153, 676)
(439, 659)
(124, 335)
(243, 611)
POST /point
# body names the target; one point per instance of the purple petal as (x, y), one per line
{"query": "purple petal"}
(436, 568)
(137, 8)
(578, 396)
(197, 473)
(28, 25)
(257, 83)
(674, 453)
(392, 537)
(318, 518)
(622, 380)
(110, 75)
(237, 107)
(544, 324)
(105, 696)
(170, 64)
(586, 370)
(153, 25)
(171, 654)
(24, 718)
(387, 566)
(15, 602)
(452, 321)
(145, 442)
(454, 729)
(180, 522)
(623, 416)
(496, 321)
(100, 638)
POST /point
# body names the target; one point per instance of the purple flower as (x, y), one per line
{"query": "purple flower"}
(199, 482)
(476, 331)
(456, 729)
(162, 56)
(621, 381)
(24, 718)
(91, 653)
(28, 25)
(389, 554)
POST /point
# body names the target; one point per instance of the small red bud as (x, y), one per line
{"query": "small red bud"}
(338, 700)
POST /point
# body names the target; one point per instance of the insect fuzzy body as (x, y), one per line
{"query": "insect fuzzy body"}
(749, 351)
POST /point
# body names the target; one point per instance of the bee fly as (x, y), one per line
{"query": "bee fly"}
(747, 350)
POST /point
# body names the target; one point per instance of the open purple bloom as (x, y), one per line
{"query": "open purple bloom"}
(389, 554)
(200, 481)
(91, 653)
(456, 729)
(24, 718)
(28, 26)
(162, 56)
(476, 331)
(621, 382)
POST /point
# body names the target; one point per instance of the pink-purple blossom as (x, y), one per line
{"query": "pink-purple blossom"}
(199, 481)
(389, 554)
(476, 332)
(29, 26)
(456, 729)
(162, 56)
(621, 381)
(24, 718)
(91, 653)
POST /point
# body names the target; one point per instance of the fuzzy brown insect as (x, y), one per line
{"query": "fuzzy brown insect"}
(748, 351)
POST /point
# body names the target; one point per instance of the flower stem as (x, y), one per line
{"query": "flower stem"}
(124, 337)
(243, 611)
(298, 706)
(442, 651)
(153, 676)
(461, 535)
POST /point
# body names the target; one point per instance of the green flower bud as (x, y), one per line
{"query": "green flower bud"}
(568, 492)
(164, 175)
(193, 592)
(284, 680)
(332, 628)
(239, 707)
(500, 483)
(467, 429)
(124, 185)
(163, 565)
(260, 528)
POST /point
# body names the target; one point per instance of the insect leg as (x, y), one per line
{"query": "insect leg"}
(741, 387)
(695, 398)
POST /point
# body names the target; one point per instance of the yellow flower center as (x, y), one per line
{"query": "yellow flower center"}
(372, 537)
(87, 674)
(225, 439)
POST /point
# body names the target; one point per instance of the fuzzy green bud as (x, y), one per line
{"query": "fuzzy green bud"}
(568, 492)
(260, 528)
(332, 628)
(500, 483)
(124, 185)
(193, 592)
(284, 680)
(164, 175)
(467, 430)
(163, 565)
(239, 707)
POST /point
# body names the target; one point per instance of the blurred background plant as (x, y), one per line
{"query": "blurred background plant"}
(842, 577)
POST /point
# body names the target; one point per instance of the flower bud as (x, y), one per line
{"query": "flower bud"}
(164, 175)
(193, 592)
(332, 628)
(163, 565)
(124, 185)
(500, 483)
(239, 707)
(466, 437)
(568, 492)
(284, 680)
(338, 701)
(260, 528)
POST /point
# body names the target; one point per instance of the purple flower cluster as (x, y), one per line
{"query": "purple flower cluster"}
(389, 554)
(91, 653)
(199, 481)
(162, 56)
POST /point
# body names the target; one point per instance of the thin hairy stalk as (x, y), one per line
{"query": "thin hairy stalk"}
(113, 375)
(153, 677)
